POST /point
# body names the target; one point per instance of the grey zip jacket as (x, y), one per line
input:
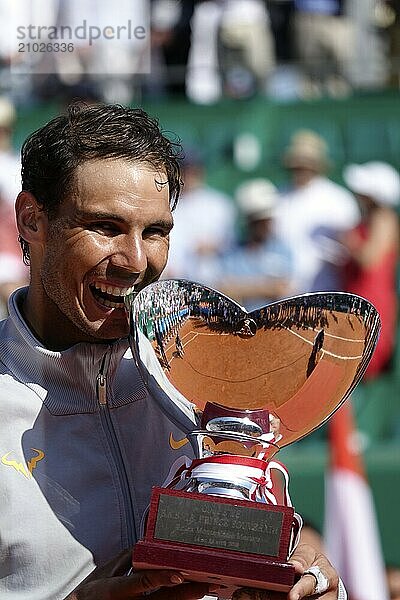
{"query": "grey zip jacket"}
(82, 441)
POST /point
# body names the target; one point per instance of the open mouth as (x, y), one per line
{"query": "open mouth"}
(110, 296)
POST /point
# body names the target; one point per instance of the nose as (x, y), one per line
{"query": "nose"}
(129, 256)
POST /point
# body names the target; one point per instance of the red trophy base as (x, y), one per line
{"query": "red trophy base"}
(234, 543)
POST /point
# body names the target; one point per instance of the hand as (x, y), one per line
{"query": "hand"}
(303, 558)
(111, 583)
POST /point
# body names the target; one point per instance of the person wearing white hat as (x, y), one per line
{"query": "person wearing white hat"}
(373, 249)
(313, 214)
(376, 180)
(259, 270)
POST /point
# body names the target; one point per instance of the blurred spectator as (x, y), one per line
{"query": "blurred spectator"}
(246, 47)
(311, 216)
(325, 40)
(9, 163)
(393, 579)
(281, 15)
(103, 68)
(373, 247)
(393, 24)
(257, 271)
(370, 65)
(170, 43)
(203, 83)
(204, 223)
(231, 52)
(13, 273)
(12, 270)
(285, 83)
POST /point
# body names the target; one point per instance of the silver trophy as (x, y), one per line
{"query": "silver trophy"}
(243, 385)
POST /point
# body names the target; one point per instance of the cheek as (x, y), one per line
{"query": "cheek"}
(157, 255)
(85, 252)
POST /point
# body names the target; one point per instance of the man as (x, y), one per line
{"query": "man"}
(313, 214)
(82, 441)
(325, 42)
(204, 224)
(258, 270)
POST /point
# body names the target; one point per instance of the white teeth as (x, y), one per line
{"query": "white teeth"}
(112, 304)
(114, 291)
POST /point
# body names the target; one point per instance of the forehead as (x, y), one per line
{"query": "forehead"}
(119, 184)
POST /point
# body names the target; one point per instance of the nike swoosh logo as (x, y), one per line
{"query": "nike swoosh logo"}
(176, 444)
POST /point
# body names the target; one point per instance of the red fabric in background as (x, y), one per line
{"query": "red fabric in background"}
(377, 284)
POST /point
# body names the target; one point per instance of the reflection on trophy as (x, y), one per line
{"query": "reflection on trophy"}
(257, 382)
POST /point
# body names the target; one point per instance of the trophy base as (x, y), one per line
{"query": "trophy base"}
(217, 567)
(225, 541)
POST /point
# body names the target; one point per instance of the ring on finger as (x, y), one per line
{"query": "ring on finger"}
(321, 581)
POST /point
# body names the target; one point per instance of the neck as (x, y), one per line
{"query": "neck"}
(41, 323)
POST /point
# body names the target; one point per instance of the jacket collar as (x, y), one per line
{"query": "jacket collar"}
(66, 380)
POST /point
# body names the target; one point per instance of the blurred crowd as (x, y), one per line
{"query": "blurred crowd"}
(206, 49)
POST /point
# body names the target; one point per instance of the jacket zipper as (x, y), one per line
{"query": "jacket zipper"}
(115, 447)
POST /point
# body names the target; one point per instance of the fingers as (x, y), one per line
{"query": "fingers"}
(140, 585)
(303, 558)
(304, 587)
(150, 580)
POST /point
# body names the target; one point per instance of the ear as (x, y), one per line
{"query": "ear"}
(31, 218)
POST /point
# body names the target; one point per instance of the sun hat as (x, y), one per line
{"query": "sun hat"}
(377, 180)
(307, 150)
(257, 198)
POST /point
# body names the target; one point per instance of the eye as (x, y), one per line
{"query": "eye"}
(105, 228)
(156, 231)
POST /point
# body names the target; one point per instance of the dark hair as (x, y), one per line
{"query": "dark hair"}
(51, 154)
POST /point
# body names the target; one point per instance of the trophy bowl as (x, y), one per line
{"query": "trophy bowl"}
(249, 384)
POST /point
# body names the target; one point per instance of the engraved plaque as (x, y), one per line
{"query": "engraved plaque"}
(218, 525)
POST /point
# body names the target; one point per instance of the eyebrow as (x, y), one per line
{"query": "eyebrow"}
(106, 216)
(99, 215)
(164, 224)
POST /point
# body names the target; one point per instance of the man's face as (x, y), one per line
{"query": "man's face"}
(301, 176)
(110, 235)
(258, 230)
